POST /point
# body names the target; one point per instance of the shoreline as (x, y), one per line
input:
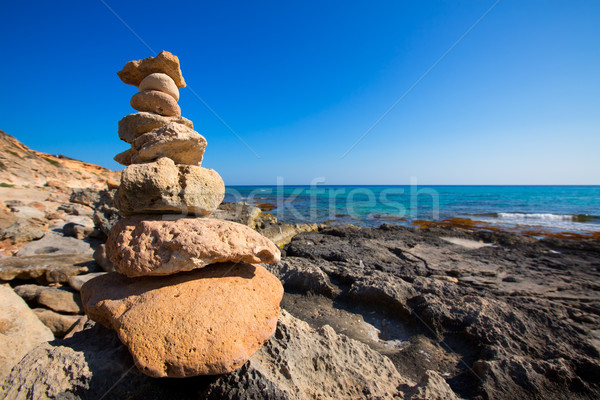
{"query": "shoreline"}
(455, 222)
(474, 313)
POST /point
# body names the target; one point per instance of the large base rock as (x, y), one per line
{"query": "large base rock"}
(163, 187)
(203, 322)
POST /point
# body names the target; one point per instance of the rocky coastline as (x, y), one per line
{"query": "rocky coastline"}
(438, 312)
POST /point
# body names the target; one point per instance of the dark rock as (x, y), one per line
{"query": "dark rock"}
(516, 318)
(303, 275)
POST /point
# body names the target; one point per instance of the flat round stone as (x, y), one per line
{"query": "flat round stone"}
(155, 102)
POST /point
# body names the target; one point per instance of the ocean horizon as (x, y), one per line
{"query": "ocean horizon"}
(552, 208)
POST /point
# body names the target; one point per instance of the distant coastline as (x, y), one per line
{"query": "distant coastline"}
(538, 210)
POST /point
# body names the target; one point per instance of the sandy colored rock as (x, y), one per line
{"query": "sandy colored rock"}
(163, 187)
(155, 102)
(59, 324)
(133, 125)
(47, 267)
(175, 141)
(102, 260)
(57, 299)
(54, 243)
(20, 330)
(135, 71)
(160, 82)
(124, 158)
(76, 282)
(140, 246)
(29, 170)
(204, 322)
(112, 184)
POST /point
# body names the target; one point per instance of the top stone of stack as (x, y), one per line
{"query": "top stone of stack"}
(135, 71)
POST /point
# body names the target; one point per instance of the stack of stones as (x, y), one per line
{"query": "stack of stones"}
(188, 296)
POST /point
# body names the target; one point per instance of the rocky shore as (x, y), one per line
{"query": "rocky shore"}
(435, 312)
(439, 312)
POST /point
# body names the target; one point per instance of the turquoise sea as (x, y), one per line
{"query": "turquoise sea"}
(552, 208)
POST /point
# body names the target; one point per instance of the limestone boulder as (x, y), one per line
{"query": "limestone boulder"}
(141, 246)
(161, 82)
(135, 71)
(57, 299)
(155, 102)
(133, 125)
(53, 243)
(102, 260)
(48, 268)
(76, 282)
(175, 141)
(203, 322)
(59, 324)
(20, 330)
(163, 187)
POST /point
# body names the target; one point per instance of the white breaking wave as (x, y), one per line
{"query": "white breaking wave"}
(542, 216)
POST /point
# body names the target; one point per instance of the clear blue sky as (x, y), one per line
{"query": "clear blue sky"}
(517, 101)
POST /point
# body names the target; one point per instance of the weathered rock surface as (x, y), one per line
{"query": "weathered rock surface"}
(175, 141)
(20, 330)
(124, 158)
(57, 299)
(49, 268)
(76, 282)
(517, 318)
(105, 215)
(53, 243)
(204, 322)
(297, 363)
(302, 274)
(23, 230)
(161, 82)
(80, 230)
(7, 218)
(134, 125)
(163, 187)
(155, 102)
(142, 246)
(21, 166)
(135, 71)
(266, 224)
(102, 260)
(59, 324)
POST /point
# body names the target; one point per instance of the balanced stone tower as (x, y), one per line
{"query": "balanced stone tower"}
(189, 296)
